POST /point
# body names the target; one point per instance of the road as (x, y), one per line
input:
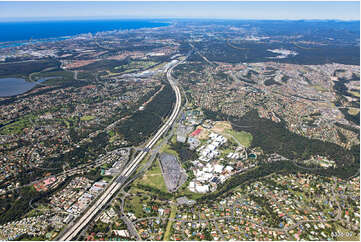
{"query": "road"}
(74, 228)
(201, 55)
(258, 223)
(141, 172)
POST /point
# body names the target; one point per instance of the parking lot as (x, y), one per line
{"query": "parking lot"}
(173, 173)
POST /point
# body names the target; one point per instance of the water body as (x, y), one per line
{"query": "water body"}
(24, 31)
(15, 86)
(20, 43)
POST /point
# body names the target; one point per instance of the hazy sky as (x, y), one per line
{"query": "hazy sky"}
(226, 10)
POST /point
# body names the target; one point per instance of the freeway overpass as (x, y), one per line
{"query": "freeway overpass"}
(73, 229)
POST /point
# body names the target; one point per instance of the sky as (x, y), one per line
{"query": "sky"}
(20, 11)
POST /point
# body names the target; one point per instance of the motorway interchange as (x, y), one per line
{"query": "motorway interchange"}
(74, 228)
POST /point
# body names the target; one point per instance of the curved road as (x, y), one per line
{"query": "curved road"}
(74, 228)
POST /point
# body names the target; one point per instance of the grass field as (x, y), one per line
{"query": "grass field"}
(107, 178)
(87, 118)
(173, 140)
(172, 215)
(135, 65)
(154, 178)
(320, 88)
(242, 137)
(109, 74)
(18, 126)
(166, 148)
(158, 66)
(191, 195)
(356, 94)
(59, 77)
(85, 75)
(138, 199)
(136, 205)
(225, 128)
(67, 123)
(114, 137)
(353, 111)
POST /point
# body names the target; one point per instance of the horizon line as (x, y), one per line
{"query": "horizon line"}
(33, 19)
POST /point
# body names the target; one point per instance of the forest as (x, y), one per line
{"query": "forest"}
(185, 154)
(23, 69)
(284, 167)
(250, 52)
(276, 138)
(142, 124)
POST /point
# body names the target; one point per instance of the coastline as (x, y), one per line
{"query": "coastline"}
(39, 31)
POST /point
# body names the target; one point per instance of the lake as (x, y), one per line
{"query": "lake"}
(14, 86)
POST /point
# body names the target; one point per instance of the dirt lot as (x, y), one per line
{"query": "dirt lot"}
(79, 63)
(203, 134)
(221, 126)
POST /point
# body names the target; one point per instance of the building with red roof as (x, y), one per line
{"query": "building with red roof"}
(196, 132)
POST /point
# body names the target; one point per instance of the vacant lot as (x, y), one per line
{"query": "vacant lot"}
(220, 126)
(154, 178)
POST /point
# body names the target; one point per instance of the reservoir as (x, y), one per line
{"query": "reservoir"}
(14, 86)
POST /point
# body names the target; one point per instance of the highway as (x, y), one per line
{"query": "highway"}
(73, 229)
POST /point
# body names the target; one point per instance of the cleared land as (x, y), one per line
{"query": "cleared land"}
(221, 126)
(135, 205)
(203, 135)
(242, 137)
(172, 215)
(135, 66)
(353, 111)
(225, 128)
(87, 118)
(356, 94)
(153, 178)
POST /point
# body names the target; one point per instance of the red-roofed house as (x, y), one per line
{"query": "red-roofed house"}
(196, 132)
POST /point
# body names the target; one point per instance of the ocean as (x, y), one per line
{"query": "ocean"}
(24, 31)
